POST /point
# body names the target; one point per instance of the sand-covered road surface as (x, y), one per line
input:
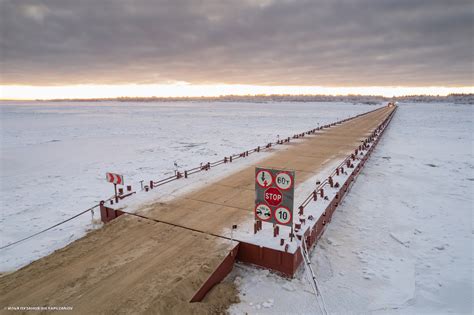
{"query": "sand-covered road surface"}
(135, 265)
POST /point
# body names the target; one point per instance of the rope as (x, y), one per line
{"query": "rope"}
(309, 275)
(313, 275)
(175, 225)
(49, 228)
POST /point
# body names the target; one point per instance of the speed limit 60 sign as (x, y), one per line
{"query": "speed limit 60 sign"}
(274, 193)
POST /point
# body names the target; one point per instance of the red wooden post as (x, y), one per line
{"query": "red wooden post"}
(115, 189)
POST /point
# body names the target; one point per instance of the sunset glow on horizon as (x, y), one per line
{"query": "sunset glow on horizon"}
(23, 92)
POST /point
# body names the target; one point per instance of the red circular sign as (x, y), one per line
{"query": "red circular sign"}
(283, 180)
(273, 196)
(283, 215)
(264, 178)
(263, 212)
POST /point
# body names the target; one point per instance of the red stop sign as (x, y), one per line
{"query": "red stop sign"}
(273, 196)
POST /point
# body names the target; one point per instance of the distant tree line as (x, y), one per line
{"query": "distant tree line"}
(263, 98)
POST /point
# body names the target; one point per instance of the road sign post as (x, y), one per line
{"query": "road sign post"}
(114, 179)
(274, 196)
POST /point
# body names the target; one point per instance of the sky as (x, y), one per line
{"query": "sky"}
(108, 48)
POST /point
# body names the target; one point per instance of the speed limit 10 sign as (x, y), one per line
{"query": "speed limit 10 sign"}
(274, 195)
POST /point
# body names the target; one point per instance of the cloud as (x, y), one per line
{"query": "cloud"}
(262, 42)
(35, 12)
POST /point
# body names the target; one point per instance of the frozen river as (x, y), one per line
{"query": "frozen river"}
(54, 156)
(401, 242)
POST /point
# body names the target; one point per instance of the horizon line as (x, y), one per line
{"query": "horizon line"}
(186, 90)
(235, 96)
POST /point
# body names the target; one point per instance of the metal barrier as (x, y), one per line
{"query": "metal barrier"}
(311, 228)
(152, 184)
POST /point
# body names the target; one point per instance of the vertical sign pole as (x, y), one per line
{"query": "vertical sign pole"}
(292, 228)
(231, 239)
(115, 188)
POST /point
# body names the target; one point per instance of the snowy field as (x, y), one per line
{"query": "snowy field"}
(54, 156)
(401, 241)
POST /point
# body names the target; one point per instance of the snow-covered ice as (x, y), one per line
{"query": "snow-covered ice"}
(401, 241)
(54, 155)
